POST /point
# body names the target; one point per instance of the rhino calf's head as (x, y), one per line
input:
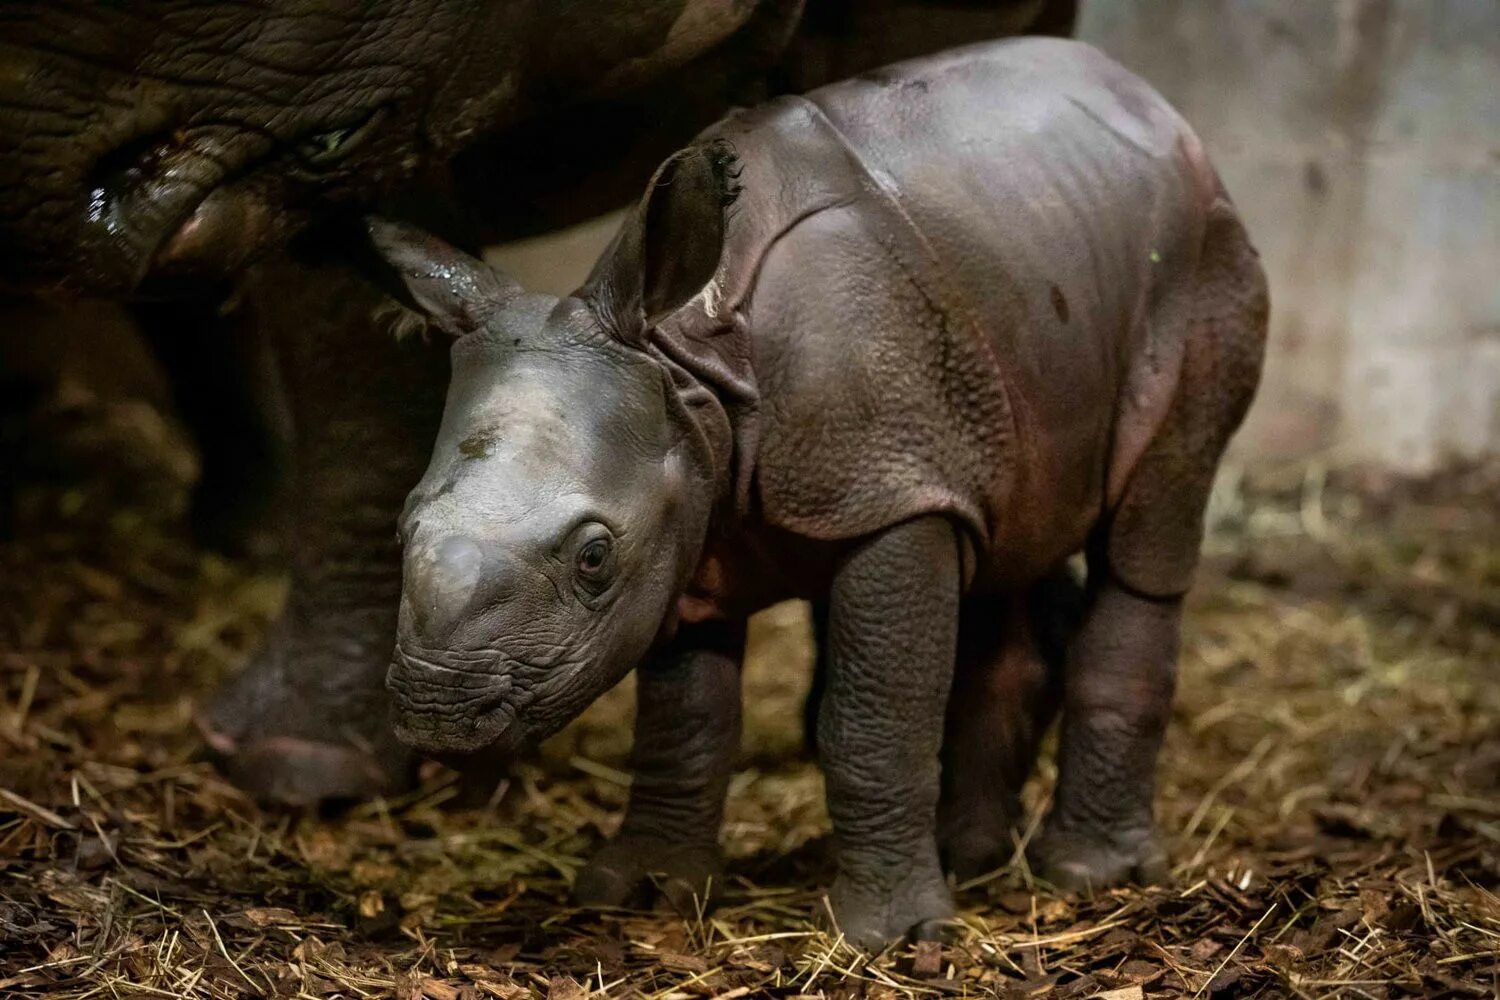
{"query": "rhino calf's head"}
(566, 503)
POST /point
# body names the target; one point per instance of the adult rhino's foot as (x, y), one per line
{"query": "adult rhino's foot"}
(874, 915)
(633, 871)
(297, 771)
(1090, 860)
(306, 730)
(308, 720)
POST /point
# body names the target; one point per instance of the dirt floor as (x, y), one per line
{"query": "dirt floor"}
(1330, 788)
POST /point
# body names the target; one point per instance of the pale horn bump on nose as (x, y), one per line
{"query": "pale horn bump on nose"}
(444, 580)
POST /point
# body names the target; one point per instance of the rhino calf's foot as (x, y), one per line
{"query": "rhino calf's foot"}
(632, 872)
(1080, 861)
(983, 842)
(875, 914)
(687, 733)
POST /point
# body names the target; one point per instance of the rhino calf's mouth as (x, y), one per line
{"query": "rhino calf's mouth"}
(449, 709)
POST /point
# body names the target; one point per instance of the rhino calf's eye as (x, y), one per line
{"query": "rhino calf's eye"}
(594, 563)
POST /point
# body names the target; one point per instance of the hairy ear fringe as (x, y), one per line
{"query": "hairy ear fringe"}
(726, 166)
(395, 320)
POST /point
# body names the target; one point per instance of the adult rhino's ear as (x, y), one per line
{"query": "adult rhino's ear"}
(669, 247)
(456, 291)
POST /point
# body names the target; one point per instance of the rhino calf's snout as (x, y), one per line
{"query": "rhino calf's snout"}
(447, 698)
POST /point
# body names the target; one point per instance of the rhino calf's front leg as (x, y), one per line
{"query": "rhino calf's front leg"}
(892, 635)
(687, 732)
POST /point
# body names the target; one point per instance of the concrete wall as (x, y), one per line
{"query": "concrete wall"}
(1361, 139)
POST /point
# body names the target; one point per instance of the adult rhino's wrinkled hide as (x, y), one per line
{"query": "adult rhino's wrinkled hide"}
(167, 136)
(186, 137)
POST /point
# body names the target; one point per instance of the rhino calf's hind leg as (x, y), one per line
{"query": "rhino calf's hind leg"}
(687, 733)
(892, 632)
(1121, 670)
(1121, 674)
(1006, 691)
(307, 720)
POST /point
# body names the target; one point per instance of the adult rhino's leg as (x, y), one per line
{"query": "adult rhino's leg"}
(892, 629)
(306, 720)
(687, 732)
(1006, 691)
(224, 380)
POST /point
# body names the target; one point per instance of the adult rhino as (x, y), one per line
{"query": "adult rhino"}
(170, 152)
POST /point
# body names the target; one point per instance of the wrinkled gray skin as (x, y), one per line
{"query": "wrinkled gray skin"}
(967, 316)
(158, 149)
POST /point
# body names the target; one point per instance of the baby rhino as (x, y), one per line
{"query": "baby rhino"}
(901, 347)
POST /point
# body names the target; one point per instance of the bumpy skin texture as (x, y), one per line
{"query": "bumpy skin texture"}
(191, 135)
(968, 315)
(892, 630)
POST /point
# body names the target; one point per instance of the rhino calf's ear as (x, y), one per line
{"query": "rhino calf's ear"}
(456, 291)
(669, 247)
